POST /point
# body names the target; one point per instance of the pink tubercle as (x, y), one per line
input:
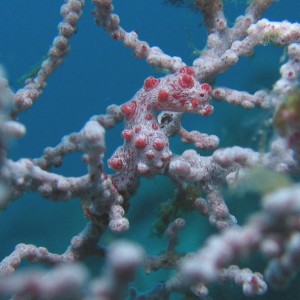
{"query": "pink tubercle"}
(151, 83)
(129, 109)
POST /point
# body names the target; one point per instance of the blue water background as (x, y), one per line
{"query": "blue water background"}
(100, 71)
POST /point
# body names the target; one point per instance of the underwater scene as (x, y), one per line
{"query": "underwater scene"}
(151, 148)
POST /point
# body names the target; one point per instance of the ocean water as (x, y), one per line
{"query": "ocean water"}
(100, 71)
